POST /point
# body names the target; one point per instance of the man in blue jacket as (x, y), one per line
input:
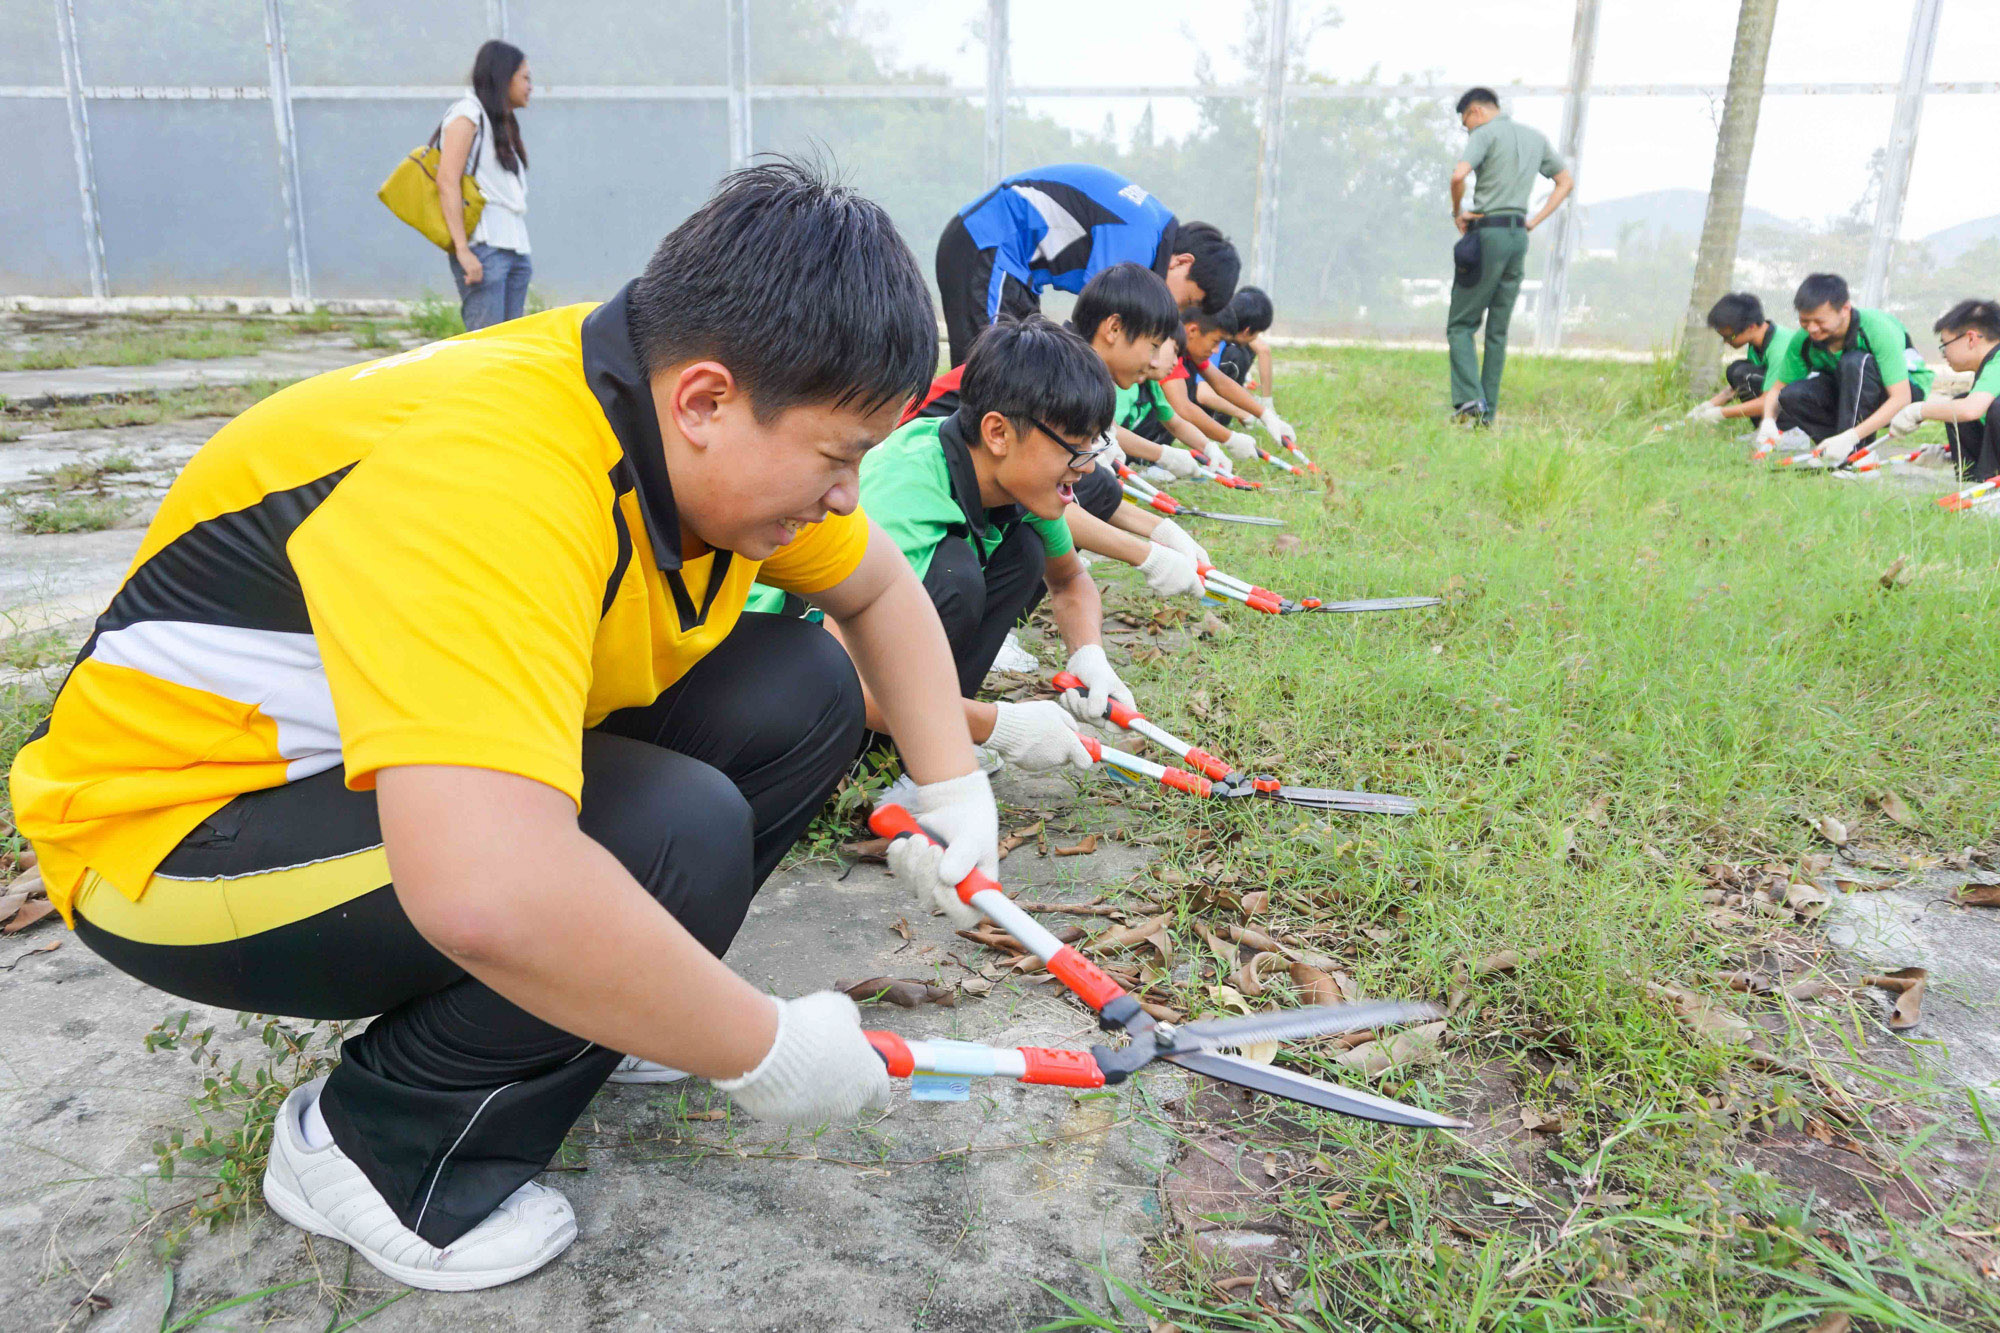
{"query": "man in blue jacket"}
(1060, 227)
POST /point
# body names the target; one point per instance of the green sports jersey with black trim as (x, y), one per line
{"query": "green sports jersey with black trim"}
(1873, 331)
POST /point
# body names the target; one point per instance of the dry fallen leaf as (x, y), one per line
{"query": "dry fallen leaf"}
(1808, 900)
(1862, 885)
(901, 927)
(868, 849)
(1256, 939)
(1126, 937)
(976, 986)
(1707, 1018)
(1539, 1123)
(1317, 987)
(1893, 575)
(1978, 895)
(1908, 983)
(1837, 1322)
(1598, 811)
(1212, 627)
(903, 993)
(29, 914)
(1256, 904)
(1249, 977)
(1084, 848)
(1286, 543)
(1813, 989)
(1832, 830)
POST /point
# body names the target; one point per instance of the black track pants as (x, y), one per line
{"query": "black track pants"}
(1975, 444)
(1825, 404)
(1746, 379)
(965, 280)
(455, 1097)
(1098, 492)
(979, 604)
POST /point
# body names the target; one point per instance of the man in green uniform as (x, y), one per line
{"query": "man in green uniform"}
(1739, 319)
(1969, 337)
(1847, 377)
(1506, 158)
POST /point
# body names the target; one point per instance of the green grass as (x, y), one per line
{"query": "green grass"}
(66, 513)
(143, 340)
(1632, 615)
(143, 409)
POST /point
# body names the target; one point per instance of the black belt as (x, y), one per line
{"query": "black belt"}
(1501, 220)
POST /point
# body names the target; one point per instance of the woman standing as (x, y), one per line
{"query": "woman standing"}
(491, 267)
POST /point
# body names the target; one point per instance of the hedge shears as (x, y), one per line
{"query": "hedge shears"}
(1209, 776)
(1193, 1046)
(1218, 584)
(1142, 492)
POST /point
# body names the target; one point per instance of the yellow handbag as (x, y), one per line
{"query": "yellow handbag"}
(411, 190)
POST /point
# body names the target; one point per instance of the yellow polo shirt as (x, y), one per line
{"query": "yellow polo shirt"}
(465, 554)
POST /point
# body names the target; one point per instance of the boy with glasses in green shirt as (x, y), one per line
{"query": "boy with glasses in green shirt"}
(1969, 337)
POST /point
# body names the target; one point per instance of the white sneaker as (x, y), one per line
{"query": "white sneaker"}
(1153, 472)
(1013, 657)
(634, 1070)
(324, 1192)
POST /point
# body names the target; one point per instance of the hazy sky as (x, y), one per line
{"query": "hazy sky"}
(1812, 151)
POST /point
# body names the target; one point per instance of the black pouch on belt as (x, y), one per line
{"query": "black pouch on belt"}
(1465, 257)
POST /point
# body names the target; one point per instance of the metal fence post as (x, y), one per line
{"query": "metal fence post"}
(288, 152)
(1902, 147)
(737, 15)
(1270, 145)
(79, 140)
(1568, 220)
(996, 91)
(496, 19)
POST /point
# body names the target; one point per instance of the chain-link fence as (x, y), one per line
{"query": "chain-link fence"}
(234, 146)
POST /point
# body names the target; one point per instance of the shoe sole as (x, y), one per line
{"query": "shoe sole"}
(303, 1216)
(645, 1077)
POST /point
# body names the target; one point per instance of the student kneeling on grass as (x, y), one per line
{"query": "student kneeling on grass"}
(980, 504)
(1969, 337)
(1738, 319)
(1201, 333)
(1847, 377)
(1245, 320)
(427, 697)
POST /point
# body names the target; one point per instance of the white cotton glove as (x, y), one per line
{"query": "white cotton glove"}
(1767, 431)
(1035, 737)
(1240, 446)
(1279, 428)
(1178, 461)
(1906, 420)
(1100, 684)
(1933, 452)
(1113, 456)
(820, 1068)
(1169, 573)
(1219, 460)
(1173, 536)
(958, 814)
(1707, 414)
(1837, 448)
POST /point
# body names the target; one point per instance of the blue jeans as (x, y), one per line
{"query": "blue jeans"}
(502, 293)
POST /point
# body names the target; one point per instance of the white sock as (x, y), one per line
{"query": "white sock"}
(312, 1127)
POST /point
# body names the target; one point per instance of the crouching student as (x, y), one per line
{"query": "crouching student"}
(1245, 321)
(427, 697)
(1201, 333)
(1738, 319)
(979, 504)
(1969, 337)
(1847, 377)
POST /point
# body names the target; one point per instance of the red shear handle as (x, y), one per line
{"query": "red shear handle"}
(1066, 1069)
(1263, 602)
(895, 1053)
(893, 821)
(1165, 503)
(1084, 978)
(1194, 784)
(1207, 763)
(1116, 711)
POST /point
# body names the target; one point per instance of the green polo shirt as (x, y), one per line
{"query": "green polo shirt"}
(1987, 379)
(919, 487)
(1873, 331)
(1505, 159)
(1777, 345)
(1144, 399)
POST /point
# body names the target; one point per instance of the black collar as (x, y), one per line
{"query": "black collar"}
(1770, 332)
(611, 368)
(965, 478)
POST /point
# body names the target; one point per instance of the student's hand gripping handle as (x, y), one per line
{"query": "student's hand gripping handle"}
(1131, 719)
(1082, 976)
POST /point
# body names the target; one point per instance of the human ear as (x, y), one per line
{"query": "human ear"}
(702, 392)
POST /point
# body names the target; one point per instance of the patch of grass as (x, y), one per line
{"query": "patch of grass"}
(843, 817)
(1635, 617)
(369, 334)
(36, 649)
(143, 341)
(433, 317)
(146, 409)
(66, 513)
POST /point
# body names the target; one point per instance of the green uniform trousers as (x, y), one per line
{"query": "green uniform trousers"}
(1503, 255)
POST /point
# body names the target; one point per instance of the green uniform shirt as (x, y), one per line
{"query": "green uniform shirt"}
(919, 487)
(1777, 346)
(1987, 380)
(1144, 399)
(1505, 159)
(1873, 331)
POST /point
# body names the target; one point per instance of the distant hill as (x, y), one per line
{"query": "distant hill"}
(1952, 242)
(1663, 211)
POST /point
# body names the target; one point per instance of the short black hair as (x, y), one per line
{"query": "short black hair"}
(1216, 264)
(799, 285)
(1134, 293)
(1035, 370)
(1250, 312)
(1971, 314)
(1736, 312)
(1208, 321)
(1820, 289)
(1472, 97)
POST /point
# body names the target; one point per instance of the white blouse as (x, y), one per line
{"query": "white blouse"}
(503, 223)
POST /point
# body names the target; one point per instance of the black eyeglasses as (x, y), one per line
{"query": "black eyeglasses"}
(1945, 346)
(1078, 458)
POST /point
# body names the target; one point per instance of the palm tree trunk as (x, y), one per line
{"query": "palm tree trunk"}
(1715, 263)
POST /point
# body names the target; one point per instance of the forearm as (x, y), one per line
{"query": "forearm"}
(1139, 522)
(1136, 446)
(1185, 410)
(1185, 432)
(1556, 196)
(1767, 406)
(1457, 195)
(1722, 397)
(451, 199)
(1957, 410)
(1897, 398)
(901, 653)
(1267, 379)
(540, 912)
(1078, 610)
(1093, 534)
(1753, 408)
(978, 716)
(1232, 394)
